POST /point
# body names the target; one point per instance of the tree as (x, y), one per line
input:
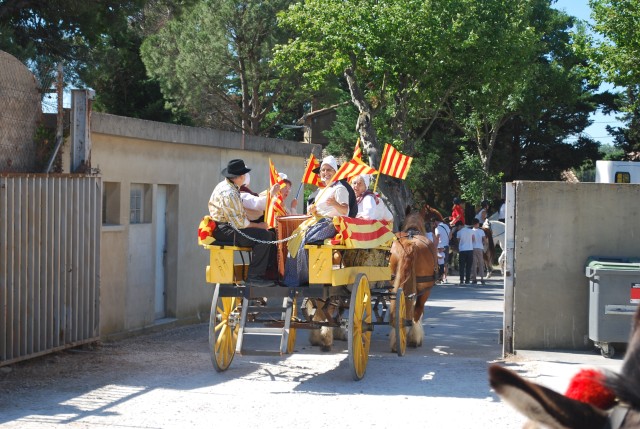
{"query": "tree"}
(214, 62)
(43, 33)
(395, 58)
(615, 56)
(114, 68)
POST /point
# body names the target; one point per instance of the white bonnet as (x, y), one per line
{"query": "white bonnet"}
(330, 161)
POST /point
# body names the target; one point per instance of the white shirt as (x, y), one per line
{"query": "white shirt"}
(478, 235)
(339, 192)
(367, 208)
(465, 239)
(443, 231)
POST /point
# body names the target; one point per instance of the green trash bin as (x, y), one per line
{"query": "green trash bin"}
(614, 294)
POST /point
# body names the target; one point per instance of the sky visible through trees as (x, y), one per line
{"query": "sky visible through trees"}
(597, 131)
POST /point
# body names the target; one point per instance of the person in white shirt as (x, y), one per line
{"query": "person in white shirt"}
(442, 232)
(254, 204)
(479, 239)
(465, 252)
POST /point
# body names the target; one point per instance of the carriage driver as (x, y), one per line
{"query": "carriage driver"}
(226, 209)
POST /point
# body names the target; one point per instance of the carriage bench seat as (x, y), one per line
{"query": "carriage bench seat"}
(222, 267)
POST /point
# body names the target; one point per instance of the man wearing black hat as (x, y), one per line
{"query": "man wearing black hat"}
(226, 209)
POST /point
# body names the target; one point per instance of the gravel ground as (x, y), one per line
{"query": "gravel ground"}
(166, 380)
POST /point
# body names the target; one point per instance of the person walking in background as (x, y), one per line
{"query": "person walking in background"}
(465, 252)
(442, 232)
(457, 212)
(479, 239)
(483, 212)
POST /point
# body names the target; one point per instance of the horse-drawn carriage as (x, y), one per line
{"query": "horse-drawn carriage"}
(350, 288)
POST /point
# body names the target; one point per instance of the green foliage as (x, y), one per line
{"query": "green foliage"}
(475, 184)
(610, 153)
(214, 62)
(45, 139)
(342, 135)
(42, 33)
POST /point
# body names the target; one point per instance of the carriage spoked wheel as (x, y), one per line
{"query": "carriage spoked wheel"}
(291, 340)
(359, 326)
(224, 324)
(401, 317)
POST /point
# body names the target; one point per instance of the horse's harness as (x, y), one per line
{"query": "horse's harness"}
(412, 233)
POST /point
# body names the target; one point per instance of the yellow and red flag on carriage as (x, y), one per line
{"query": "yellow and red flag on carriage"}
(275, 203)
(355, 167)
(357, 151)
(394, 163)
(309, 176)
(361, 233)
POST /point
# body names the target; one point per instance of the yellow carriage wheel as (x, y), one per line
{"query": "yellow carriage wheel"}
(291, 341)
(359, 326)
(401, 317)
(224, 324)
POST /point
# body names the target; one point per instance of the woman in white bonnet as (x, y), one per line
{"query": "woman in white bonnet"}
(333, 200)
(370, 207)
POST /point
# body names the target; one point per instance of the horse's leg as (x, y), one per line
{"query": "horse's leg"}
(415, 336)
(322, 337)
(488, 263)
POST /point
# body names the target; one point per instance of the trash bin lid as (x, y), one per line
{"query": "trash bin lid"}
(595, 264)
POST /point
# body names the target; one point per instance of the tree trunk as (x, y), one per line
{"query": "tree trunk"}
(394, 190)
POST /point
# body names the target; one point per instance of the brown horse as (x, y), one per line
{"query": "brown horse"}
(427, 212)
(549, 409)
(414, 261)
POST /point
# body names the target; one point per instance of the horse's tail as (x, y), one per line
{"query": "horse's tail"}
(405, 276)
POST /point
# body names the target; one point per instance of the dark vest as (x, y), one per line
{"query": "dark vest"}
(353, 201)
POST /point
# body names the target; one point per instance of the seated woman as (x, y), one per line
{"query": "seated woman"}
(370, 207)
(331, 201)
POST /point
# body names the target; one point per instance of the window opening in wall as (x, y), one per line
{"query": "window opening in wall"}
(110, 203)
(623, 177)
(140, 203)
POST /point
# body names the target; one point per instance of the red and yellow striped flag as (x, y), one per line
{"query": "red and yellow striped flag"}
(357, 152)
(354, 167)
(394, 163)
(309, 176)
(275, 203)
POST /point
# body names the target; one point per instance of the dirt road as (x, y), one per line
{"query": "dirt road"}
(166, 380)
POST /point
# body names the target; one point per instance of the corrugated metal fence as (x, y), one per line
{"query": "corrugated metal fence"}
(49, 263)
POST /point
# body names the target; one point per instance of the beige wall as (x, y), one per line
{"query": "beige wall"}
(558, 226)
(189, 161)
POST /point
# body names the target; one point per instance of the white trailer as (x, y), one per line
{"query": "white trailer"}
(617, 172)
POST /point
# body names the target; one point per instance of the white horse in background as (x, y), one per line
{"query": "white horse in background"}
(498, 232)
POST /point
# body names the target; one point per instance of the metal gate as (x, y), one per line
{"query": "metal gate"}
(49, 263)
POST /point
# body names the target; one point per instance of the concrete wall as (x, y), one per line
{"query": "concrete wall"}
(558, 226)
(188, 162)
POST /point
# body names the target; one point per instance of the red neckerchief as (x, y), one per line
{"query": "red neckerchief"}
(243, 188)
(364, 194)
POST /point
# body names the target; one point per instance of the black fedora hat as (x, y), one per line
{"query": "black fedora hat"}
(235, 168)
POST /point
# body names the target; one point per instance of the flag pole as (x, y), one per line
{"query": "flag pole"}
(299, 188)
(375, 185)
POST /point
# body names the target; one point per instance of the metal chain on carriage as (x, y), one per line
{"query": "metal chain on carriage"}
(257, 240)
